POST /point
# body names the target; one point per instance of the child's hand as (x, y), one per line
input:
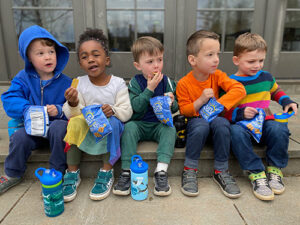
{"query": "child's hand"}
(292, 106)
(71, 96)
(107, 110)
(52, 110)
(250, 112)
(171, 96)
(206, 95)
(153, 81)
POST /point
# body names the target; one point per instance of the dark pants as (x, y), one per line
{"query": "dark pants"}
(21, 145)
(275, 135)
(198, 130)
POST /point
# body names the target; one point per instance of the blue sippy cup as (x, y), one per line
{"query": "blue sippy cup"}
(52, 191)
(283, 117)
(139, 178)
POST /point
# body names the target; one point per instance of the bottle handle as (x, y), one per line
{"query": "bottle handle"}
(37, 172)
(135, 158)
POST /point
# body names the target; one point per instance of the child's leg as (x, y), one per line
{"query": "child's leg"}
(56, 134)
(73, 158)
(220, 128)
(106, 165)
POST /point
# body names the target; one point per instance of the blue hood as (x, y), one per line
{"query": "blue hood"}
(34, 32)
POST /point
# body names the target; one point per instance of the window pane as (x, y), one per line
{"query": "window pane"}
(236, 24)
(153, 4)
(59, 23)
(210, 4)
(151, 23)
(291, 36)
(226, 4)
(293, 4)
(240, 3)
(43, 3)
(209, 21)
(120, 4)
(120, 25)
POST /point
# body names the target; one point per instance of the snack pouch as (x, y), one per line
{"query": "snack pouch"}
(161, 108)
(254, 126)
(36, 121)
(97, 121)
(211, 109)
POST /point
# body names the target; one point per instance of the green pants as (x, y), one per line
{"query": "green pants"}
(74, 156)
(136, 131)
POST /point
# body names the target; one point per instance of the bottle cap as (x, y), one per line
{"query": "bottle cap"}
(138, 165)
(49, 176)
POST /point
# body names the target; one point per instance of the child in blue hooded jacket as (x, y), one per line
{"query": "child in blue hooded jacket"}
(40, 83)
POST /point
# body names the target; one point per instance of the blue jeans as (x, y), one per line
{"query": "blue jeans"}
(198, 130)
(274, 134)
(21, 145)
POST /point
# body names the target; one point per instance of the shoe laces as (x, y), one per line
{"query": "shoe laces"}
(227, 178)
(275, 177)
(189, 176)
(161, 178)
(262, 182)
(124, 178)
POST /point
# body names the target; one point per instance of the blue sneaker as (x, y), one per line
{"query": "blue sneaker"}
(70, 185)
(103, 185)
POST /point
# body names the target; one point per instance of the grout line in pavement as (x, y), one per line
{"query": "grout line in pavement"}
(240, 214)
(14, 205)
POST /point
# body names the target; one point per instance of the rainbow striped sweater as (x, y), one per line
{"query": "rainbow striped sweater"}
(261, 89)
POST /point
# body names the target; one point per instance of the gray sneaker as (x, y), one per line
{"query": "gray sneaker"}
(227, 184)
(275, 176)
(261, 187)
(161, 187)
(189, 183)
(7, 183)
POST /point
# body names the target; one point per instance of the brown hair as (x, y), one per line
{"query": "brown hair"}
(192, 47)
(249, 42)
(44, 42)
(146, 44)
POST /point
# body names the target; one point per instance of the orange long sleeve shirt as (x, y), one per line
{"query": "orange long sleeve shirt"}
(189, 89)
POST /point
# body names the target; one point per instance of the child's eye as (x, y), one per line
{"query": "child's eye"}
(261, 60)
(83, 57)
(150, 61)
(40, 53)
(52, 52)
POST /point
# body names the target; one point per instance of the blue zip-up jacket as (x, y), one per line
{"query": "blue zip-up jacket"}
(26, 88)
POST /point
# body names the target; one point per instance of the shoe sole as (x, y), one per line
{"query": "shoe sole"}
(190, 194)
(263, 197)
(225, 193)
(122, 193)
(7, 188)
(98, 197)
(71, 197)
(278, 192)
(162, 193)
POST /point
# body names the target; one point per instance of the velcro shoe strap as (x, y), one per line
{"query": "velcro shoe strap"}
(275, 170)
(69, 182)
(101, 180)
(255, 176)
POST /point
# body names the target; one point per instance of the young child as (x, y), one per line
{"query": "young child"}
(40, 83)
(261, 87)
(95, 88)
(193, 91)
(148, 58)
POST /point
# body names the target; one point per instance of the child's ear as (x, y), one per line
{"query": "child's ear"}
(235, 60)
(137, 65)
(191, 60)
(107, 61)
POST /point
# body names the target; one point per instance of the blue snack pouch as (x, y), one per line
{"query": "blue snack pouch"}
(97, 121)
(36, 121)
(161, 108)
(255, 125)
(211, 109)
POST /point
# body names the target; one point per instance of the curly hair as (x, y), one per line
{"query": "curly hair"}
(96, 35)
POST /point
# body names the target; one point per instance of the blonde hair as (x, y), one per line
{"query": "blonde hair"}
(146, 44)
(192, 47)
(249, 42)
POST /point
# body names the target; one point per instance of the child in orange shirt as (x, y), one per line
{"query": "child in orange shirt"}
(193, 91)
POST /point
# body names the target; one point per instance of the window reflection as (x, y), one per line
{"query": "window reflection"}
(291, 36)
(153, 4)
(43, 3)
(293, 4)
(120, 4)
(226, 4)
(210, 21)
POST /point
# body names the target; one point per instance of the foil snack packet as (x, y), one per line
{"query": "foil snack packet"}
(254, 126)
(211, 109)
(161, 108)
(97, 121)
(36, 121)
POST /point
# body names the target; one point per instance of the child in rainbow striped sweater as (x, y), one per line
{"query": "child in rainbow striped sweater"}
(261, 87)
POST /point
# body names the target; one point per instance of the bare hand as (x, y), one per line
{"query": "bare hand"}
(171, 96)
(71, 96)
(292, 106)
(206, 95)
(107, 110)
(250, 112)
(153, 81)
(52, 110)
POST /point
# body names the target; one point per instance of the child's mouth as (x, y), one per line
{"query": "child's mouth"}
(93, 67)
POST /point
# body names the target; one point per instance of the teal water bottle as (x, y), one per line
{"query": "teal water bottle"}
(51, 180)
(139, 178)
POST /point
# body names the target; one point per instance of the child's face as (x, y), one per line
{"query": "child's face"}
(93, 59)
(249, 63)
(150, 64)
(42, 57)
(207, 60)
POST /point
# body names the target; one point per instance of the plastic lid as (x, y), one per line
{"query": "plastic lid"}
(138, 165)
(48, 177)
(282, 116)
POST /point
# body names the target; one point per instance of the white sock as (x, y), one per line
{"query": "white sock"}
(161, 167)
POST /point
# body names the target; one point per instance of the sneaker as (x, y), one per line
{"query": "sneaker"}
(70, 185)
(275, 176)
(189, 183)
(122, 187)
(161, 184)
(227, 184)
(261, 187)
(6, 183)
(103, 185)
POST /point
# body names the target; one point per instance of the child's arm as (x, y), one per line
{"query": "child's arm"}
(74, 103)
(122, 107)
(293, 106)
(171, 88)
